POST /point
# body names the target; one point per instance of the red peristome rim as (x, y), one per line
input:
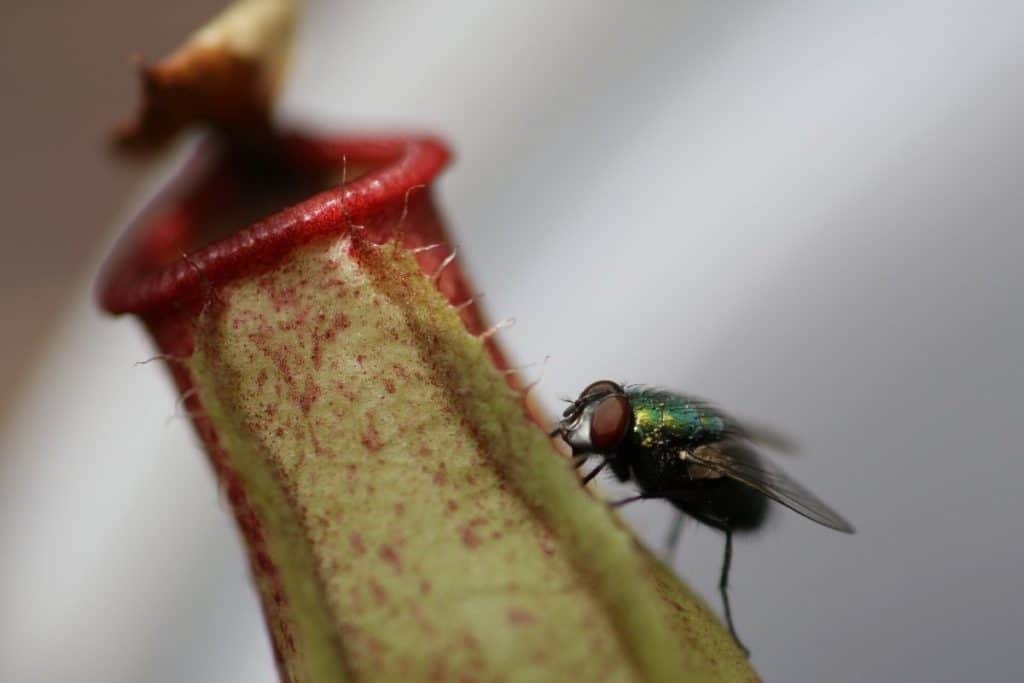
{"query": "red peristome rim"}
(148, 272)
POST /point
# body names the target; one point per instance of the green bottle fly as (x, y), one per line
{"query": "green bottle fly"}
(683, 450)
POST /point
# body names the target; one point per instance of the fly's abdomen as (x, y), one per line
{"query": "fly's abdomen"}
(723, 503)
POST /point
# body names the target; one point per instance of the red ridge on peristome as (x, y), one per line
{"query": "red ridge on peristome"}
(148, 272)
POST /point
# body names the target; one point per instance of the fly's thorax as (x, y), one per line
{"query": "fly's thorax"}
(647, 424)
(668, 421)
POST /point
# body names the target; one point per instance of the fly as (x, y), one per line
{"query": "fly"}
(683, 450)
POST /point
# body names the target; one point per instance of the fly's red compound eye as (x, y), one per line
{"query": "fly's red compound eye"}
(603, 386)
(609, 422)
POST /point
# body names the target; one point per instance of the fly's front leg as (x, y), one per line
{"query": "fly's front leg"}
(627, 501)
(594, 472)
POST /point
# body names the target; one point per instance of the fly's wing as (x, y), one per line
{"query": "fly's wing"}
(752, 431)
(734, 428)
(760, 434)
(739, 462)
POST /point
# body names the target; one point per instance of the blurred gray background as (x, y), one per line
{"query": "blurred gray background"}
(810, 214)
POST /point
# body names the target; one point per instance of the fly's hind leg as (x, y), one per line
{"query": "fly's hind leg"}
(723, 525)
(675, 532)
(723, 588)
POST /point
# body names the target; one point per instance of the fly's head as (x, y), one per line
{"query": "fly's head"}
(597, 421)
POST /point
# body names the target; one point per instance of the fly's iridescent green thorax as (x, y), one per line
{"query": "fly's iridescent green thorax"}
(665, 420)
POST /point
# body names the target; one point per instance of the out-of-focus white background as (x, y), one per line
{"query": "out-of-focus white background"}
(810, 214)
